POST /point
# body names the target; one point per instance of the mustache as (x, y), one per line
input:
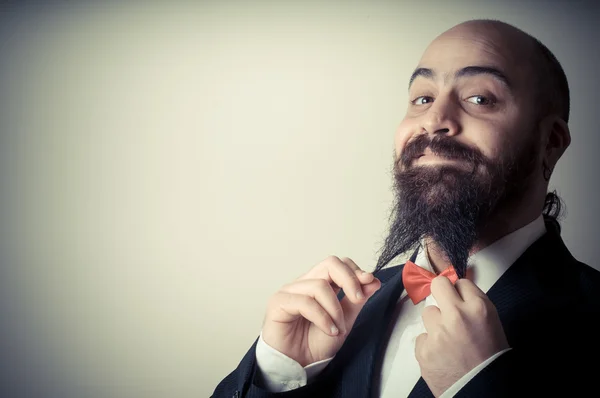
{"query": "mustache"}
(440, 145)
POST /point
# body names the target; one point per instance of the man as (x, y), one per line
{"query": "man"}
(510, 312)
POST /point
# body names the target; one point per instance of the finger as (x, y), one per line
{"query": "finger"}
(343, 275)
(353, 284)
(370, 288)
(444, 293)
(291, 306)
(468, 290)
(432, 318)
(323, 293)
(351, 310)
(364, 277)
(420, 346)
(350, 263)
(320, 270)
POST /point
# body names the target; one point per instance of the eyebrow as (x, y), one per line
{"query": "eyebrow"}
(467, 71)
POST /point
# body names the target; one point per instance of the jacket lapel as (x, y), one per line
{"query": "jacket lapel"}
(356, 360)
(368, 335)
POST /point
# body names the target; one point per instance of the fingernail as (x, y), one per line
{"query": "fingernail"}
(334, 330)
(360, 295)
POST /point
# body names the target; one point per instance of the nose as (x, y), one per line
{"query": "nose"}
(441, 118)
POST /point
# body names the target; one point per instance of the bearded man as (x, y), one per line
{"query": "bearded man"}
(491, 302)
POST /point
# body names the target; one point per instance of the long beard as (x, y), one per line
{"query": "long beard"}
(448, 204)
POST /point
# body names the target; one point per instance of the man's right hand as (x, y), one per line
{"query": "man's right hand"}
(306, 321)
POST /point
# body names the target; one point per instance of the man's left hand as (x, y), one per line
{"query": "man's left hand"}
(462, 331)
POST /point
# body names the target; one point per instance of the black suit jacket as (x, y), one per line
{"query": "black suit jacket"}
(549, 305)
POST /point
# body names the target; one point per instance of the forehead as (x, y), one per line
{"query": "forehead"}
(464, 47)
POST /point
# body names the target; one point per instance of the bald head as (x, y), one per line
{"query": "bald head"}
(525, 52)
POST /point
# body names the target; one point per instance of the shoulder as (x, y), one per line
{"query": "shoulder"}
(588, 281)
(559, 271)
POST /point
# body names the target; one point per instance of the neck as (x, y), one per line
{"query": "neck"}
(498, 226)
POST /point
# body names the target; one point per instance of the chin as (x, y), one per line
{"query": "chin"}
(441, 193)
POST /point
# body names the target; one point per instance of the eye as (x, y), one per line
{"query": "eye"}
(480, 100)
(422, 100)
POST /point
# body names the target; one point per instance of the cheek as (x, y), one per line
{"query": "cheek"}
(491, 140)
(404, 132)
(490, 148)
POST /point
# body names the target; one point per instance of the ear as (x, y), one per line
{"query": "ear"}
(556, 138)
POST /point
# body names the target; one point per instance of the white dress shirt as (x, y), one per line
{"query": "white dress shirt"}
(400, 370)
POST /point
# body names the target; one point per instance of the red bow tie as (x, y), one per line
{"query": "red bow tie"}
(417, 281)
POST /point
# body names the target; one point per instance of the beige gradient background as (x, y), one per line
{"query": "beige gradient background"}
(165, 168)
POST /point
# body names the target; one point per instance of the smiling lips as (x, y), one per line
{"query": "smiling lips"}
(429, 157)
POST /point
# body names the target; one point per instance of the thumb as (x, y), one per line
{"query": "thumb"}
(352, 310)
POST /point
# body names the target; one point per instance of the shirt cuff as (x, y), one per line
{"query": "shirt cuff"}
(278, 373)
(454, 388)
